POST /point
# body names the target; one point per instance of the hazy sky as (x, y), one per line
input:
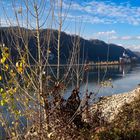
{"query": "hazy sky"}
(114, 21)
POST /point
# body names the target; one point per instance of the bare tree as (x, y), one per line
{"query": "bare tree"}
(32, 91)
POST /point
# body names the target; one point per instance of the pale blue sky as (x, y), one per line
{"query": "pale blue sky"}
(114, 21)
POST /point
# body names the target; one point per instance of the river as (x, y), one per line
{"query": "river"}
(123, 78)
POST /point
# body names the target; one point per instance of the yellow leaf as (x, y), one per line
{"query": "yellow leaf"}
(15, 89)
(21, 64)
(2, 124)
(6, 66)
(23, 61)
(2, 102)
(6, 49)
(3, 60)
(17, 64)
(0, 77)
(13, 134)
(20, 69)
(6, 55)
(1, 89)
(12, 73)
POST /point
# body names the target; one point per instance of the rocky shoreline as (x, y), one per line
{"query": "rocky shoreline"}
(107, 108)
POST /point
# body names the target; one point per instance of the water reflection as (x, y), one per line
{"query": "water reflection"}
(124, 78)
(114, 72)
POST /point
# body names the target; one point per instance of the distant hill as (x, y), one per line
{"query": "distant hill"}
(137, 53)
(90, 50)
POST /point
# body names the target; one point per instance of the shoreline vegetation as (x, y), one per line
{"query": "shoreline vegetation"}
(116, 117)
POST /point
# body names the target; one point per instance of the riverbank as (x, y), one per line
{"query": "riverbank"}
(108, 108)
(112, 117)
(115, 117)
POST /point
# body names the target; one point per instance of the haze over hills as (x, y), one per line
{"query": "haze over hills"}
(137, 53)
(90, 50)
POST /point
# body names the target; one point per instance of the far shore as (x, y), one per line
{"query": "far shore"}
(95, 64)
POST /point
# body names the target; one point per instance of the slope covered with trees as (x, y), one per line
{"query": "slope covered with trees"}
(90, 50)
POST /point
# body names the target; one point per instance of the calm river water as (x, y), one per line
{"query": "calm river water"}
(123, 78)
